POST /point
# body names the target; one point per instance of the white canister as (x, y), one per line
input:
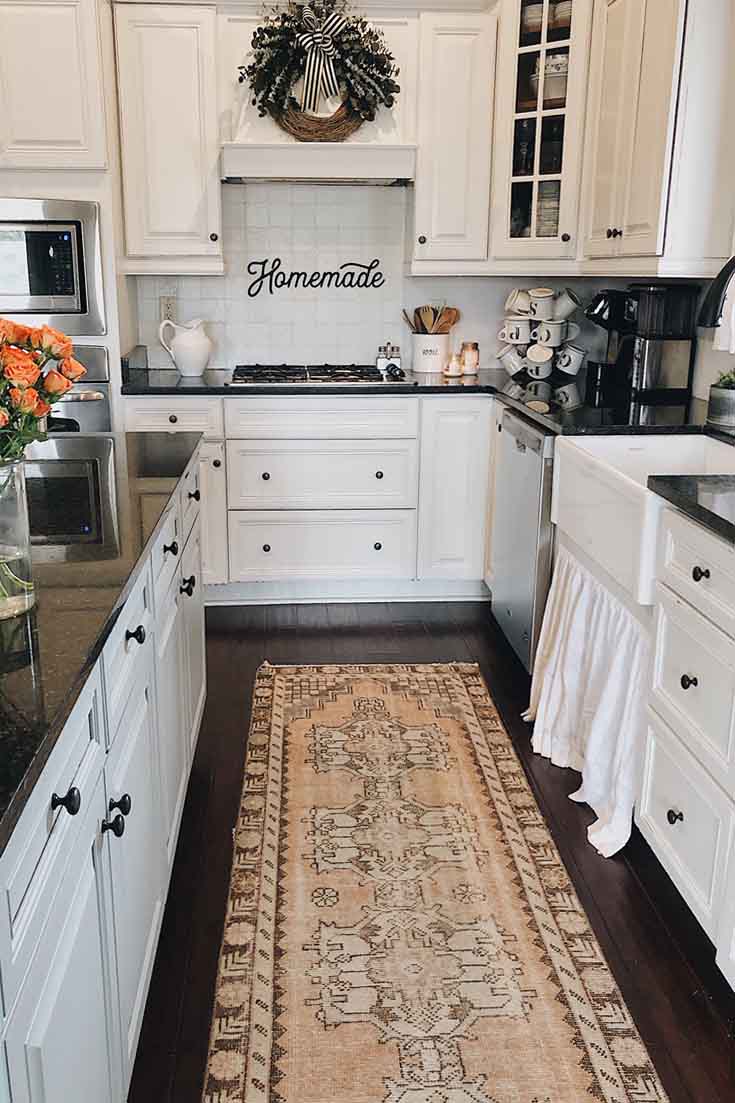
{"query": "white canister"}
(430, 352)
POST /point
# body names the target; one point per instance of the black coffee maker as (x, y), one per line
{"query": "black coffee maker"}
(646, 377)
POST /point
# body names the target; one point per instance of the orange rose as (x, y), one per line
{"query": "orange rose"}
(72, 369)
(52, 342)
(13, 334)
(24, 401)
(4, 417)
(56, 383)
(18, 367)
(42, 408)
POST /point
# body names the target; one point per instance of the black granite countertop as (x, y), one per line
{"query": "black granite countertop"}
(47, 654)
(707, 499)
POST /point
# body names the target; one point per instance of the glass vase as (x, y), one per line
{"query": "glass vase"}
(16, 584)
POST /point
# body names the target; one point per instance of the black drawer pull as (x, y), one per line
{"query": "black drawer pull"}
(172, 418)
(566, 237)
(137, 634)
(378, 546)
(265, 476)
(173, 547)
(216, 463)
(699, 573)
(674, 817)
(123, 805)
(187, 586)
(214, 237)
(195, 495)
(379, 475)
(687, 682)
(116, 825)
(608, 233)
(72, 801)
(266, 548)
(422, 239)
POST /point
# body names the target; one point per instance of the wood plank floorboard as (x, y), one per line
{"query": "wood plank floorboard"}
(663, 963)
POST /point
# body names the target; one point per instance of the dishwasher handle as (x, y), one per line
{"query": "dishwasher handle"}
(527, 436)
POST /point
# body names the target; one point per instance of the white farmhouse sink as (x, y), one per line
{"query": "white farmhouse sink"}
(601, 501)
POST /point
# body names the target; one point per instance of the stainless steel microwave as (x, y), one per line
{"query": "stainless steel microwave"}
(51, 265)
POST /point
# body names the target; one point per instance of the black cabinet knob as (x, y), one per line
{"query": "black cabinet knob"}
(699, 573)
(72, 801)
(266, 548)
(195, 495)
(214, 237)
(172, 418)
(173, 547)
(687, 682)
(116, 825)
(674, 817)
(422, 239)
(187, 586)
(265, 476)
(378, 474)
(216, 463)
(609, 233)
(124, 804)
(138, 634)
(378, 546)
(566, 237)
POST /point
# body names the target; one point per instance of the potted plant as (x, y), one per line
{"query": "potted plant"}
(36, 368)
(721, 410)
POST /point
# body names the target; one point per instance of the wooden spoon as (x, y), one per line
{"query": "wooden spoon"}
(418, 324)
(409, 323)
(428, 318)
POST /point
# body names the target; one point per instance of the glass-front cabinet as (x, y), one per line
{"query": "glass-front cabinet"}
(542, 86)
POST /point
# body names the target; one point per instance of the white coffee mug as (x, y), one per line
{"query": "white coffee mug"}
(539, 388)
(538, 370)
(512, 359)
(516, 331)
(573, 331)
(570, 358)
(550, 333)
(565, 304)
(518, 302)
(568, 396)
(542, 302)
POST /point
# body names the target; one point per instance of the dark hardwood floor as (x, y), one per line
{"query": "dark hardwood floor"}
(664, 965)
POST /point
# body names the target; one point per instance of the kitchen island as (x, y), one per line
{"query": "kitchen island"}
(102, 688)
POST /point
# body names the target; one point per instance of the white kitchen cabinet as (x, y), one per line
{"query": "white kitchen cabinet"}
(175, 415)
(453, 487)
(166, 66)
(539, 126)
(456, 78)
(61, 1041)
(190, 590)
(213, 487)
(173, 728)
(138, 855)
(52, 117)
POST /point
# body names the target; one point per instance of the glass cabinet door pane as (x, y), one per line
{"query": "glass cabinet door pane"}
(532, 18)
(547, 208)
(556, 71)
(524, 147)
(552, 145)
(521, 209)
(528, 81)
(560, 20)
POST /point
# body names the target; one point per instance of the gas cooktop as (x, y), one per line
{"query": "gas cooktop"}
(286, 375)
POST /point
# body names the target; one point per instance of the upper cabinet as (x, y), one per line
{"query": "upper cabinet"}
(542, 91)
(55, 117)
(456, 70)
(167, 85)
(659, 140)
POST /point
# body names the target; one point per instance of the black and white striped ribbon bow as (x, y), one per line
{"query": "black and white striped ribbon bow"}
(318, 41)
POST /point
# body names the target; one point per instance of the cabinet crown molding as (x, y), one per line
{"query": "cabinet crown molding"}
(368, 8)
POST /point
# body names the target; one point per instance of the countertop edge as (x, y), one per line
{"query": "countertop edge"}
(718, 526)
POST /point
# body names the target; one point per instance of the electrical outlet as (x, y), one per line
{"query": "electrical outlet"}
(167, 308)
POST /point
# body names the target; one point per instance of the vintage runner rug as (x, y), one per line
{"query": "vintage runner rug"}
(400, 926)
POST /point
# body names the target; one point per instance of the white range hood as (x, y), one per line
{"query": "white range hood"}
(319, 162)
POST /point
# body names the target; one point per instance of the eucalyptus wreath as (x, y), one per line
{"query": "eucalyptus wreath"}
(348, 53)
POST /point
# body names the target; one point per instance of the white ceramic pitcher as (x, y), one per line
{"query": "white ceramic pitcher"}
(190, 347)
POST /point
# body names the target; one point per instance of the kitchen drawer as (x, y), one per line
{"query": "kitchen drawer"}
(167, 549)
(688, 820)
(123, 650)
(298, 474)
(322, 544)
(694, 684)
(190, 498)
(33, 862)
(174, 415)
(362, 417)
(700, 567)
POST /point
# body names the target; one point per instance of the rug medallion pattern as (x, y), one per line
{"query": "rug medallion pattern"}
(400, 926)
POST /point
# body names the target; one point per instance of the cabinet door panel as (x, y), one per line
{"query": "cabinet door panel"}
(48, 123)
(195, 672)
(171, 691)
(455, 140)
(169, 134)
(213, 485)
(60, 1040)
(455, 451)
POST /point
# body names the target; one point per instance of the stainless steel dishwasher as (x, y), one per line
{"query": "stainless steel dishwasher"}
(522, 534)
